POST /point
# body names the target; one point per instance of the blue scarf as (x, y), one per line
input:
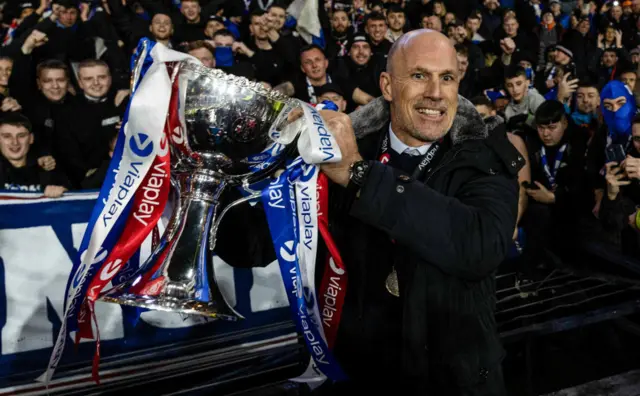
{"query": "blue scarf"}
(619, 122)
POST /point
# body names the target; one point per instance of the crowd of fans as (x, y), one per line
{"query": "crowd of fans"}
(558, 76)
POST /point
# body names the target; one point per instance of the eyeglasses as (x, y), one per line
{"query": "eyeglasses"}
(636, 139)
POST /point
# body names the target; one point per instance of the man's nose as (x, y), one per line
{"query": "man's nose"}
(432, 89)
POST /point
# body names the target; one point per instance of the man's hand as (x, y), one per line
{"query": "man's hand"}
(47, 163)
(508, 46)
(10, 104)
(121, 95)
(54, 191)
(542, 195)
(567, 87)
(241, 48)
(35, 39)
(614, 178)
(340, 126)
(631, 166)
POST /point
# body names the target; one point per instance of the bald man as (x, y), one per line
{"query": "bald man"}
(428, 207)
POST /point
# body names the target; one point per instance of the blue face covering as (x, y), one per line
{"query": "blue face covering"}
(581, 119)
(619, 122)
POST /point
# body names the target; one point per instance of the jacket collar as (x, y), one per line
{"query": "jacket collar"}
(467, 124)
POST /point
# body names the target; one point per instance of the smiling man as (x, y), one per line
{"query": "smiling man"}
(431, 203)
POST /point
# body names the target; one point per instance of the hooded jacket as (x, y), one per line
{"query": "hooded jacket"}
(450, 233)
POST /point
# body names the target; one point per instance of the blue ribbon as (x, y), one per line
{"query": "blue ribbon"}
(280, 207)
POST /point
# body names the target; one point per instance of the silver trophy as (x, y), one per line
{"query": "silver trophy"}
(230, 123)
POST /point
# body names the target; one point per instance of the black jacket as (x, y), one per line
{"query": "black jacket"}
(451, 233)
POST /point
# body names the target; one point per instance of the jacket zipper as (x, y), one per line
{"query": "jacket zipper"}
(455, 154)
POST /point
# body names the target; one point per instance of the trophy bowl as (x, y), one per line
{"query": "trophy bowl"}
(230, 140)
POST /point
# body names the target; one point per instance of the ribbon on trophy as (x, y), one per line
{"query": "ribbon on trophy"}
(296, 208)
(134, 193)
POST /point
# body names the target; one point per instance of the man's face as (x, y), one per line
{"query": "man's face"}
(434, 23)
(485, 111)
(205, 56)
(561, 58)
(314, 64)
(212, 28)
(340, 22)
(517, 88)
(459, 34)
(223, 41)
(278, 16)
(15, 142)
(511, 27)
(396, 21)
(463, 64)
(422, 87)
(258, 27)
(547, 18)
(552, 134)
(610, 35)
(614, 104)
(6, 66)
(68, 16)
(636, 6)
(191, 10)
(616, 12)
(584, 26)
(376, 30)
(635, 58)
(556, 8)
(161, 27)
(588, 100)
(360, 53)
(635, 132)
(95, 81)
(473, 24)
(335, 98)
(26, 12)
(609, 59)
(491, 5)
(53, 84)
(629, 79)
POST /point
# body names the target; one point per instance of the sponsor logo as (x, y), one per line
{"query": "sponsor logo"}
(177, 136)
(331, 293)
(385, 158)
(141, 145)
(276, 200)
(288, 252)
(151, 196)
(324, 136)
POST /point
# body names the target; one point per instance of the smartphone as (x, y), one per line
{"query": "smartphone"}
(530, 186)
(224, 56)
(571, 69)
(615, 153)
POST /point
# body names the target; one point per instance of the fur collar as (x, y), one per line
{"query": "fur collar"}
(374, 116)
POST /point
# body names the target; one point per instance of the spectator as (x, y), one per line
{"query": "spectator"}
(376, 29)
(19, 170)
(524, 101)
(332, 93)
(396, 20)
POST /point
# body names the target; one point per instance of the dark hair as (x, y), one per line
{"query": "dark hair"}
(636, 119)
(462, 50)
(277, 4)
(614, 50)
(514, 71)
(626, 70)
(550, 112)
(588, 82)
(482, 100)
(396, 9)
(224, 32)
(474, 15)
(374, 16)
(198, 44)
(312, 47)
(255, 13)
(52, 64)
(16, 119)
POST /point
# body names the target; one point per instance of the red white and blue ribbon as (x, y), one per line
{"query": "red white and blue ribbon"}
(140, 152)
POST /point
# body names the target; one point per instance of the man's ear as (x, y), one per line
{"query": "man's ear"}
(30, 139)
(385, 86)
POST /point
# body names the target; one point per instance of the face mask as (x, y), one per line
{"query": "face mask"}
(619, 122)
(224, 56)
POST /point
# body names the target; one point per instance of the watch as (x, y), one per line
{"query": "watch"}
(358, 172)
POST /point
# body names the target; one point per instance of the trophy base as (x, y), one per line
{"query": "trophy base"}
(171, 304)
